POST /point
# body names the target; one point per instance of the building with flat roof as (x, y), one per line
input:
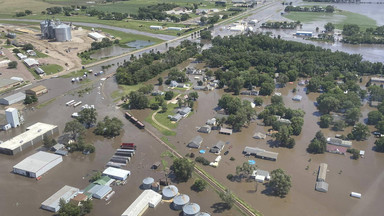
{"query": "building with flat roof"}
(260, 153)
(148, 198)
(15, 98)
(53, 202)
(225, 131)
(33, 136)
(322, 172)
(37, 91)
(37, 164)
(116, 173)
(8, 83)
(12, 116)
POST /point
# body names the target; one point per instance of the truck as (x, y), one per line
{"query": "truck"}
(128, 146)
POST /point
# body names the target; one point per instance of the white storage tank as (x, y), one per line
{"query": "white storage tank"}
(180, 201)
(169, 192)
(147, 183)
(191, 209)
(63, 33)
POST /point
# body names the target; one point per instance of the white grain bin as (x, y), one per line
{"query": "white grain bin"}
(147, 183)
(63, 33)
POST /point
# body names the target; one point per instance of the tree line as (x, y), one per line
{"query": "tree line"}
(353, 35)
(151, 64)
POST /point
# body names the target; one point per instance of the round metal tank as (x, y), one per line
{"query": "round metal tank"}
(169, 192)
(203, 214)
(51, 29)
(147, 182)
(63, 33)
(180, 200)
(191, 209)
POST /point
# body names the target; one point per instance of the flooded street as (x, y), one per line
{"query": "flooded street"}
(116, 50)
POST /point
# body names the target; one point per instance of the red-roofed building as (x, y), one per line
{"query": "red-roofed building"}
(336, 149)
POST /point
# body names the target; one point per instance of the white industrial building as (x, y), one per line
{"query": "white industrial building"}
(12, 116)
(148, 198)
(116, 173)
(34, 135)
(37, 164)
(53, 202)
(96, 36)
(12, 99)
(155, 27)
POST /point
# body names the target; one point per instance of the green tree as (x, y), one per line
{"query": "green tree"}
(338, 125)
(109, 127)
(86, 206)
(206, 35)
(355, 153)
(329, 27)
(48, 142)
(380, 126)
(352, 116)
(325, 121)
(267, 88)
(318, 144)
(16, 51)
(12, 64)
(283, 137)
(164, 107)
(199, 185)
(68, 209)
(328, 104)
(30, 99)
(360, 131)
(75, 128)
(245, 170)
(258, 101)
(96, 176)
(228, 198)
(203, 20)
(87, 117)
(275, 99)
(160, 81)
(374, 117)
(193, 95)
(235, 85)
(28, 46)
(183, 169)
(8, 42)
(280, 183)
(282, 79)
(297, 125)
(169, 95)
(138, 100)
(379, 145)
(329, 9)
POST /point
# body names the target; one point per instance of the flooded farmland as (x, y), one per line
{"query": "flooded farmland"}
(116, 50)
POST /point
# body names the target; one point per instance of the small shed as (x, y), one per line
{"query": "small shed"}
(322, 172)
(195, 142)
(191, 209)
(78, 199)
(259, 135)
(211, 122)
(156, 165)
(61, 152)
(322, 186)
(58, 146)
(225, 131)
(37, 91)
(169, 192)
(176, 117)
(218, 147)
(205, 129)
(39, 71)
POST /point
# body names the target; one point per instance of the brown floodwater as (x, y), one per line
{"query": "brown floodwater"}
(345, 175)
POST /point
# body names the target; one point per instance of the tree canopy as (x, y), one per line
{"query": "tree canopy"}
(183, 169)
(87, 117)
(280, 183)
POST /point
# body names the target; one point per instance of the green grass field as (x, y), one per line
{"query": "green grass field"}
(162, 117)
(51, 68)
(339, 18)
(124, 90)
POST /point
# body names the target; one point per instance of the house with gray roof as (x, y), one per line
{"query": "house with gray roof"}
(321, 186)
(185, 111)
(176, 117)
(339, 142)
(259, 135)
(218, 147)
(195, 142)
(205, 129)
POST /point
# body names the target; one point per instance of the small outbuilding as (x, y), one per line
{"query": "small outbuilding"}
(169, 192)
(322, 186)
(297, 98)
(191, 209)
(225, 131)
(205, 129)
(116, 173)
(30, 62)
(99, 191)
(37, 91)
(322, 172)
(66, 193)
(78, 199)
(195, 142)
(218, 147)
(259, 135)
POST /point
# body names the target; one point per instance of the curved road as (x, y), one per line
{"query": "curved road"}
(96, 25)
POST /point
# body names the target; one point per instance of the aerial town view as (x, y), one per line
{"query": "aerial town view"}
(191, 107)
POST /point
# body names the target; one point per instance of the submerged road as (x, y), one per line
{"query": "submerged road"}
(96, 25)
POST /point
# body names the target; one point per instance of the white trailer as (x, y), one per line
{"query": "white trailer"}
(356, 195)
(69, 102)
(77, 104)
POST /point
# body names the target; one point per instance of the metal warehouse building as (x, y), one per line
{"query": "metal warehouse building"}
(37, 164)
(12, 99)
(116, 173)
(53, 202)
(148, 198)
(34, 135)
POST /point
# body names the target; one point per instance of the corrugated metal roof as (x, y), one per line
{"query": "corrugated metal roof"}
(6, 82)
(147, 198)
(36, 161)
(18, 96)
(66, 193)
